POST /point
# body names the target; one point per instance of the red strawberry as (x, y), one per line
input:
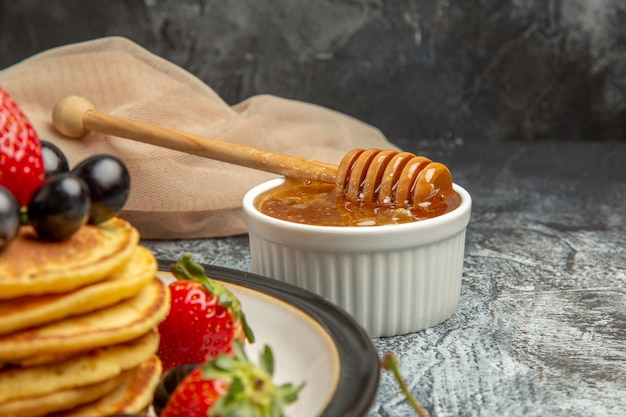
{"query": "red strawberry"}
(21, 164)
(229, 386)
(204, 319)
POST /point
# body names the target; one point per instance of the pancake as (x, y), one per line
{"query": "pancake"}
(134, 395)
(119, 323)
(28, 311)
(31, 266)
(90, 368)
(43, 405)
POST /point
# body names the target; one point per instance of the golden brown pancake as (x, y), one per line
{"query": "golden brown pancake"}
(119, 323)
(78, 323)
(87, 369)
(132, 396)
(28, 311)
(43, 405)
(30, 266)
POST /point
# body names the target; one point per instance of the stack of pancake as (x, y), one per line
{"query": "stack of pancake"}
(78, 323)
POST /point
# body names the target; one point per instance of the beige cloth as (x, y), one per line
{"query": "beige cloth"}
(173, 194)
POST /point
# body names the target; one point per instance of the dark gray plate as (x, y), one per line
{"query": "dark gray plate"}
(359, 364)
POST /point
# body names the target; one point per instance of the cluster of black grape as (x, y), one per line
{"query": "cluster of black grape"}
(92, 192)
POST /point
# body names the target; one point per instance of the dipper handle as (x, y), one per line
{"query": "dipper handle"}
(75, 116)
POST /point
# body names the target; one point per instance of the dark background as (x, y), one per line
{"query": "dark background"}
(418, 70)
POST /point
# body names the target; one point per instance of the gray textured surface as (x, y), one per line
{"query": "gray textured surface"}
(529, 69)
(541, 325)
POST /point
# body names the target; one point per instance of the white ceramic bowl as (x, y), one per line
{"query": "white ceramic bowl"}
(393, 279)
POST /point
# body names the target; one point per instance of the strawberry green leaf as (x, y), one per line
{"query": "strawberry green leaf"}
(225, 363)
(239, 352)
(289, 392)
(267, 360)
(246, 329)
(236, 387)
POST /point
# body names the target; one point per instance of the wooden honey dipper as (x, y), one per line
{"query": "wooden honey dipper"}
(379, 176)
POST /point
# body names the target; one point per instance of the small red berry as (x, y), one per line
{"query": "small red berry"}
(21, 164)
(204, 319)
(229, 386)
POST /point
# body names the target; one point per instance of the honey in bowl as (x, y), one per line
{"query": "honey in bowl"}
(317, 203)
